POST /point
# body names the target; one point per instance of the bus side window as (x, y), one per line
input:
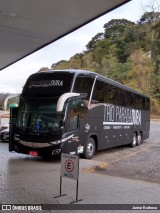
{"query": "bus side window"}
(145, 103)
(100, 93)
(138, 102)
(83, 84)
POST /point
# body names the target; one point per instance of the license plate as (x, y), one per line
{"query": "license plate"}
(33, 153)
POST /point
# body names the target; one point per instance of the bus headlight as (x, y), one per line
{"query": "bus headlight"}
(55, 142)
(62, 140)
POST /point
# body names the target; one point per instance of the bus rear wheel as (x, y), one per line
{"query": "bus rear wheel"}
(89, 149)
(134, 140)
(139, 139)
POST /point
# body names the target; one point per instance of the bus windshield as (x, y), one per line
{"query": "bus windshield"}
(39, 118)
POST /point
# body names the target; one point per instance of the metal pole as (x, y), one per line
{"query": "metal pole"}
(60, 189)
(77, 192)
(76, 195)
(60, 185)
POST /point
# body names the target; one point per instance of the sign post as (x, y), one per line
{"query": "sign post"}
(69, 169)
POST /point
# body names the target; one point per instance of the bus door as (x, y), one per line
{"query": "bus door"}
(73, 125)
(12, 126)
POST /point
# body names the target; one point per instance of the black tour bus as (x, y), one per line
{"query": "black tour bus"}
(77, 112)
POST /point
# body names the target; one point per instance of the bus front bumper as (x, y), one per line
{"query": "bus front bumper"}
(37, 149)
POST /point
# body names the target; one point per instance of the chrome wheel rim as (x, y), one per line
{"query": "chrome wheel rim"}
(139, 138)
(134, 140)
(90, 148)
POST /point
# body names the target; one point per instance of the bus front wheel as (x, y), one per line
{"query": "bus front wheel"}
(89, 149)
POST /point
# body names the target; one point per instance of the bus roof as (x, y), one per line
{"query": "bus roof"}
(104, 78)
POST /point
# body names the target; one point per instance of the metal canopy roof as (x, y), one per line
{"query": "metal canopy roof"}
(27, 25)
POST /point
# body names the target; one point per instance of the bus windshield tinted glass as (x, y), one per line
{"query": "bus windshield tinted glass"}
(39, 118)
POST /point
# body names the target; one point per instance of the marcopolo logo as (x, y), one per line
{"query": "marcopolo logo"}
(46, 83)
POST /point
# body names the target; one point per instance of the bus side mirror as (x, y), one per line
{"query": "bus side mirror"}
(62, 99)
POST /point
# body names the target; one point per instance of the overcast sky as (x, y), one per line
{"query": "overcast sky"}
(14, 77)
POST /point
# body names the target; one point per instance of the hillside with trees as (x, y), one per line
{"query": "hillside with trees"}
(127, 52)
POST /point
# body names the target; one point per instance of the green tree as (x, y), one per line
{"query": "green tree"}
(97, 37)
(63, 64)
(142, 67)
(43, 69)
(150, 17)
(116, 27)
(76, 62)
(101, 49)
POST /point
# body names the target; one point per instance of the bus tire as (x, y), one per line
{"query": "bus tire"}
(90, 149)
(139, 139)
(134, 140)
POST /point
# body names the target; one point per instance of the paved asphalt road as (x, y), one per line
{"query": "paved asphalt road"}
(140, 163)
